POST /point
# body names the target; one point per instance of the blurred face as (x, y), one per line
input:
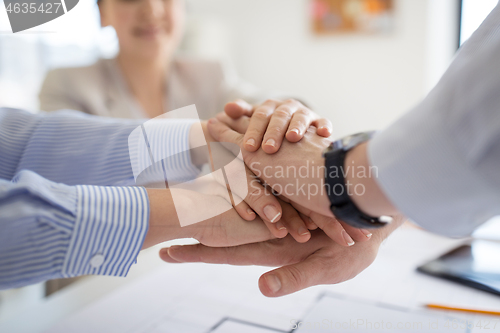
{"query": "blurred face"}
(145, 28)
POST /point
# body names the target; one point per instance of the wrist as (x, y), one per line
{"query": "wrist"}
(163, 221)
(379, 235)
(197, 143)
(199, 136)
(321, 203)
(362, 184)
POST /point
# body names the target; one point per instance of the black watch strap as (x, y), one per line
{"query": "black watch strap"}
(341, 204)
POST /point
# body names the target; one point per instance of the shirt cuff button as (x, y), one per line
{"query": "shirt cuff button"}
(97, 260)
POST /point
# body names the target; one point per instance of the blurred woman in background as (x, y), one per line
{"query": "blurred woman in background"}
(146, 79)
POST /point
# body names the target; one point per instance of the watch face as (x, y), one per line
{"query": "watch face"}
(349, 142)
(352, 141)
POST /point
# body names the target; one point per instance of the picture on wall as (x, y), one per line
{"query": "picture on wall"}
(352, 16)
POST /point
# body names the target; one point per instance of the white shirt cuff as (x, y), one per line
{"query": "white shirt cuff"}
(418, 166)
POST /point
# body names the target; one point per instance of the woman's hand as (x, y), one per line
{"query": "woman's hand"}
(251, 198)
(274, 120)
(340, 232)
(215, 229)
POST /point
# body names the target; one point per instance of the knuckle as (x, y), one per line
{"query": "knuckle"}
(283, 111)
(256, 134)
(274, 130)
(271, 101)
(261, 113)
(228, 253)
(224, 130)
(303, 112)
(261, 200)
(292, 101)
(254, 194)
(296, 277)
(331, 224)
(300, 123)
(326, 123)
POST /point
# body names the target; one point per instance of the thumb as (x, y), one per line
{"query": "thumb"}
(238, 108)
(165, 256)
(223, 133)
(292, 278)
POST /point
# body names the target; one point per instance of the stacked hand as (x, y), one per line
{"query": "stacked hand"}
(246, 223)
(318, 261)
(292, 139)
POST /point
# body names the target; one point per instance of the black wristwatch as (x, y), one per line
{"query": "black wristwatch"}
(335, 185)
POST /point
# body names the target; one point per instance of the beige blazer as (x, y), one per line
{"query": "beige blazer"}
(100, 89)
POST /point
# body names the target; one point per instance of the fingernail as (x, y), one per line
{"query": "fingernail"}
(271, 213)
(303, 231)
(270, 142)
(251, 142)
(366, 233)
(280, 226)
(273, 283)
(347, 238)
(295, 130)
(250, 211)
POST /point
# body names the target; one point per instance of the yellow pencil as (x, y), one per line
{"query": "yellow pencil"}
(443, 307)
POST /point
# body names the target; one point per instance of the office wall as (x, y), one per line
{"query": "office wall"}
(358, 81)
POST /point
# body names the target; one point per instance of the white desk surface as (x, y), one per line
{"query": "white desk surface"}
(392, 279)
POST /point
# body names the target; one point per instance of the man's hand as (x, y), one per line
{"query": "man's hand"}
(259, 202)
(274, 120)
(296, 171)
(319, 261)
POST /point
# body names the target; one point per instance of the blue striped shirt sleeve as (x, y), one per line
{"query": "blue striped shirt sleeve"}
(51, 226)
(74, 148)
(51, 230)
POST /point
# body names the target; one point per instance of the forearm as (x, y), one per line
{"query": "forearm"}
(66, 147)
(51, 230)
(438, 164)
(74, 148)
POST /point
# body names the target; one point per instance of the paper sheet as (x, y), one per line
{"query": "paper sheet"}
(194, 298)
(338, 315)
